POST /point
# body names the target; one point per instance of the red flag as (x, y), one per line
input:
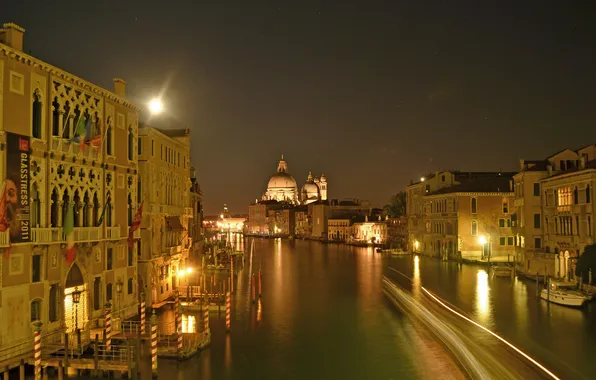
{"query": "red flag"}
(135, 226)
(3, 220)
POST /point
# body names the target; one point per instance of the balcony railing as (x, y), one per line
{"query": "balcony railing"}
(46, 235)
(113, 233)
(4, 240)
(64, 146)
(56, 235)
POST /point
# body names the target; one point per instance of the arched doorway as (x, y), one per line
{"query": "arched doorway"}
(75, 289)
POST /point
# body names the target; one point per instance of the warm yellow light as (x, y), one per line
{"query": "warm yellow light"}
(221, 216)
(421, 179)
(416, 244)
(181, 273)
(188, 270)
(481, 240)
(155, 106)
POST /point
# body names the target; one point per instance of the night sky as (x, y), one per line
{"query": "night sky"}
(372, 93)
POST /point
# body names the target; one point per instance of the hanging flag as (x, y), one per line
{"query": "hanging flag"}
(94, 141)
(136, 223)
(103, 214)
(3, 220)
(69, 233)
(80, 132)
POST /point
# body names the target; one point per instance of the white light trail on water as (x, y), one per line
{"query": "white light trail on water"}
(528, 357)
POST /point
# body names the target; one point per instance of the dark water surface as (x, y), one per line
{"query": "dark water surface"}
(324, 315)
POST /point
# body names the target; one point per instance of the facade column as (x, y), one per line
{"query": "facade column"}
(59, 209)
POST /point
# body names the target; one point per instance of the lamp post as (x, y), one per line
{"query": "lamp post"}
(76, 298)
(119, 291)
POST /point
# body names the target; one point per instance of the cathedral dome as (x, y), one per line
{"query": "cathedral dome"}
(281, 180)
(282, 186)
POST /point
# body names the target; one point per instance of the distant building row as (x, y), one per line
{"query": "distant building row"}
(542, 215)
(316, 217)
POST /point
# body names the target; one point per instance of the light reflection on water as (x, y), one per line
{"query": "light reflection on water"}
(323, 315)
(482, 296)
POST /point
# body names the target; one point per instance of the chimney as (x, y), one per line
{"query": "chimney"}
(12, 35)
(582, 162)
(549, 168)
(521, 165)
(120, 87)
(511, 186)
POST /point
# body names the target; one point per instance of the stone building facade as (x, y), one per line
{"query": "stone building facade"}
(164, 188)
(554, 211)
(92, 176)
(461, 215)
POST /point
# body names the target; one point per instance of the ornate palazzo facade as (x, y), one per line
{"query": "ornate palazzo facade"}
(97, 180)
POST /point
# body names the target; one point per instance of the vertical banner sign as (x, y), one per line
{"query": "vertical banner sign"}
(17, 187)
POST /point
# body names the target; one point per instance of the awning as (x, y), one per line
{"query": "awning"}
(173, 223)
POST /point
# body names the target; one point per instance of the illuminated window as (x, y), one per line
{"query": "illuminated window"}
(564, 198)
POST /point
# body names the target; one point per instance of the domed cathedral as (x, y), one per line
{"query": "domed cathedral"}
(282, 186)
(314, 189)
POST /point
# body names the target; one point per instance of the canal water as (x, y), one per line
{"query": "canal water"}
(323, 314)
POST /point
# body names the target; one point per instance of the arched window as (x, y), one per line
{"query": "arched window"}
(109, 140)
(36, 116)
(575, 196)
(95, 210)
(108, 215)
(130, 145)
(35, 310)
(77, 209)
(35, 206)
(588, 194)
(65, 202)
(474, 228)
(66, 126)
(54, 208)
(473, 205)
(56, 127)
(86, 205)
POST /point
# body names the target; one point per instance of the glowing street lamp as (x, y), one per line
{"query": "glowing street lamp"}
(188, 270)
(482, 240)
(155, 106)
(181, 273)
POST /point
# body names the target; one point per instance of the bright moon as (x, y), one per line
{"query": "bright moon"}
(155, 106)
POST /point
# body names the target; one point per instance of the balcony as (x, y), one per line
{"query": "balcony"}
(64, 146)
(46, 235)
(113, 233)
(4, 240)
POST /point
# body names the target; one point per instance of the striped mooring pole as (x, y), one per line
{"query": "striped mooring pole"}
(206, 316)
(252, 285)
(228, 310)
(260, 281)
(143, 313)
(154, 344)
(37, 348)
(108, 326)
(179, 328)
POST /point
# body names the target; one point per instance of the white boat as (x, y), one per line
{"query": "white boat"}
(501, 270)
(563, 293)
